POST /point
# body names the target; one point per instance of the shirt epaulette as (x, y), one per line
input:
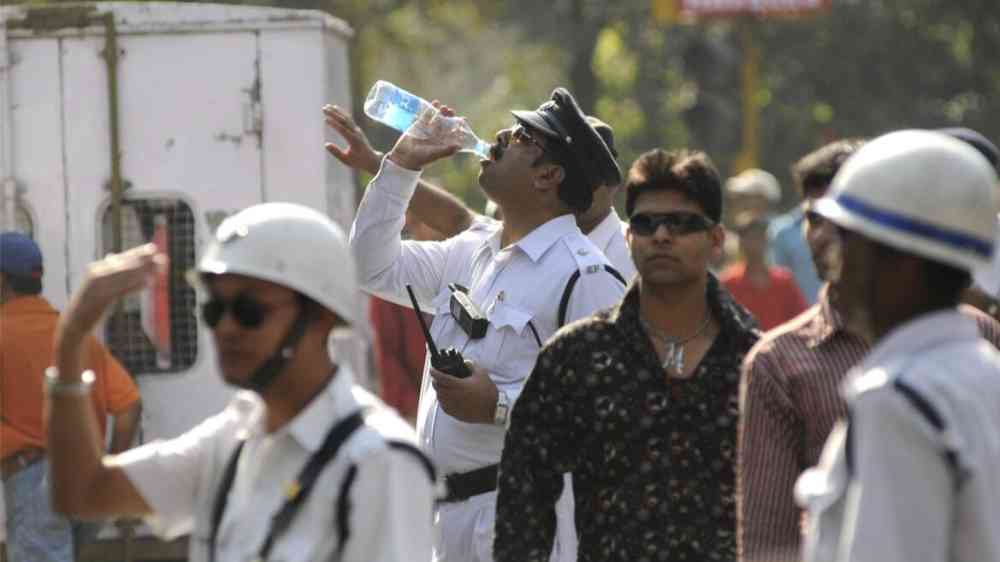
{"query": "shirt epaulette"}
(858, 385)
(588, 260)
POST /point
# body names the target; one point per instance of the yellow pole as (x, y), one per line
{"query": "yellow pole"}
(665, 11)
(750, 150)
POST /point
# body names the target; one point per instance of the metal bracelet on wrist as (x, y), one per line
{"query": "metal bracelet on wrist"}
(54, 383)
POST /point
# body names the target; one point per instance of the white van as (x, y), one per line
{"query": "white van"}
(211, 108)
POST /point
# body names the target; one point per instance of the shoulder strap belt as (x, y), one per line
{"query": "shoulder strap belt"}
(296, 492)
(568, 291)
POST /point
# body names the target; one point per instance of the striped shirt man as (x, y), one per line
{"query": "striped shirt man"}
(789, 401)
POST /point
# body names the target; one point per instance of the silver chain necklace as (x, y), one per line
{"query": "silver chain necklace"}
(673, 348)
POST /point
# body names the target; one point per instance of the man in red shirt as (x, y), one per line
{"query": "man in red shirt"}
(769, 292)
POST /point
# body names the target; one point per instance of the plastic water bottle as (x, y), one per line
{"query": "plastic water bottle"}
(399, 109)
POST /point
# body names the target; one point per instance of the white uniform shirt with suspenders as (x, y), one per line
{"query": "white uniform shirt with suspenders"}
(389, 502)
(518, 288)
(915, 474)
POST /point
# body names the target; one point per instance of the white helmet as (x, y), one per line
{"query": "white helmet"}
(290, 245)
(920, 192)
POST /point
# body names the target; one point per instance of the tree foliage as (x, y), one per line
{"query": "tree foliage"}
(861, 68)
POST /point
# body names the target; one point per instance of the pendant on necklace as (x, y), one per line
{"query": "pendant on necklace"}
(673, 357)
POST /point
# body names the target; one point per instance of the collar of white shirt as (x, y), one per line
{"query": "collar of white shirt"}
(538, 241)
(606, 230)
(334, 403)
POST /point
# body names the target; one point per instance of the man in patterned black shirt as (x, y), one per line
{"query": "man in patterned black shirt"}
(639, 402)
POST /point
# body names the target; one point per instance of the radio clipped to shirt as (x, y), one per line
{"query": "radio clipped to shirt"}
(472, 321)
(450, 360)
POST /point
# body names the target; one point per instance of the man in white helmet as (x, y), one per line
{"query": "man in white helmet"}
(305, 466)
(915, 472)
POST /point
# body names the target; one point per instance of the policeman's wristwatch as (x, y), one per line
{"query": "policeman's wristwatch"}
(502, 413)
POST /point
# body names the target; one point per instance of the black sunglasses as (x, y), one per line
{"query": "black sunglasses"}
(520, 135)
(678, 223)
(247, 311)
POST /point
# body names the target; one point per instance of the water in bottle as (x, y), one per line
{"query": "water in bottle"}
(399, 109)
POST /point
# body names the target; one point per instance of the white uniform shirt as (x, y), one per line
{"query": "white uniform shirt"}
(391, 496)
(512, 286)
(923, 477)
(609, 236)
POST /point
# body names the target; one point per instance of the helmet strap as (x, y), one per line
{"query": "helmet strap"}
(262, 378)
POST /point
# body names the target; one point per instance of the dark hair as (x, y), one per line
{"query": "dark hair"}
(816, 169)
(574, 190)
(690, 173)
(23, 284)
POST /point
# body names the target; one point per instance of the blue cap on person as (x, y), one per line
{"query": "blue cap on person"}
(19, 255)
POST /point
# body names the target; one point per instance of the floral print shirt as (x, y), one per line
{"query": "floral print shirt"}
(653, 457)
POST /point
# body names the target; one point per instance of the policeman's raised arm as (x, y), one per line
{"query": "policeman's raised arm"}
(83, 484)
(432, 205)
(385, 264)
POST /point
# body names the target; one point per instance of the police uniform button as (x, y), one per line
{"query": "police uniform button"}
(582, 251)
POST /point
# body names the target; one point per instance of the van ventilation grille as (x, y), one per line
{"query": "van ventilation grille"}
(156, 330)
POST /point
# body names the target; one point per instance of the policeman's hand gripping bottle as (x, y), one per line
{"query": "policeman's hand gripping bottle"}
(410, 114)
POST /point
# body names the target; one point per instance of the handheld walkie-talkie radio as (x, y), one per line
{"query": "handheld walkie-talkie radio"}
(450, 360)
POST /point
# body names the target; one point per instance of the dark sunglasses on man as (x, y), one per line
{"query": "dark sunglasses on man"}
(248, 312)
(678, 223)
(521, 135)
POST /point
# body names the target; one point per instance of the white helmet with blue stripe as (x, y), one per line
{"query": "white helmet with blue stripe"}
(921, 192)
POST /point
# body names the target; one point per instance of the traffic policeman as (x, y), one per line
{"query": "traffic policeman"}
(915, 474)
(517, 273)
(303, 465)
